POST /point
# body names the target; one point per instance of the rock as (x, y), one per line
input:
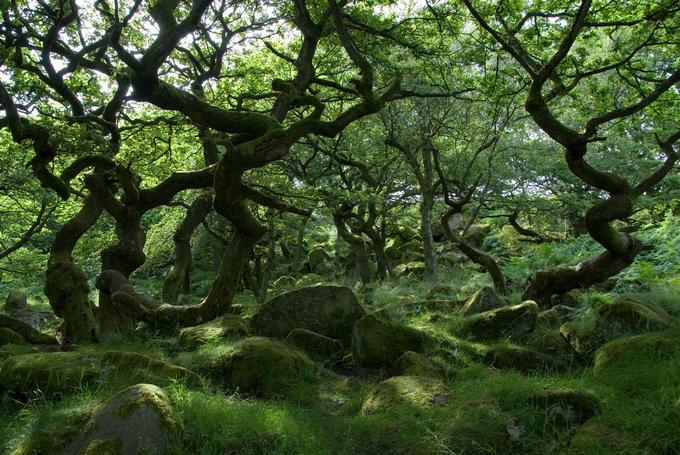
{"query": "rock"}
(55, 431)
(328, 310)
(568, 299)
(410, 268)
(477, 233)
(9, 336)
(316, 345)
(478, 428)
(284, 281)
(521, 359)
(483, 300)
(53, 374)
(9, 350)
(555, 316)
(377, 343)
(137, 420)
(548, 342)
(16, 300)
(419, 392)
(581, 339)
(629, 316)
(264, 367)
(506, 322)
(595, 437)
(636, 349)
(317, 255)
(227, 326)
(29, 334)
(413, 364)
(567, 407)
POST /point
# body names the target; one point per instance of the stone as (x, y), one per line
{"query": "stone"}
(137, 420)
(521, 359)
(328, 310)
(29, 334)
(227, 326)
(135, 367)
(596, 437)
(377, 343)
(416, 392)
(317, 255)
(509, 322)
(478, 428)
(16, 300)
(9, 336)
(316, 345)
(555, 316)
(630, 316)
(483, 300)
(549, 342)
(583, 340)
(410, 268)
(414, 364)
(284, 281)
(567, 407)
(264, 367)
(632, 350)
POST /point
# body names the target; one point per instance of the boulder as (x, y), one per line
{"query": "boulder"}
(596, 437)
(263, 367)
(328, 310)
(29, 334)
(316, 345)
(630, 316)
(506, 322)
(416, 392)
(483, 300)
(16, 300)
(549, 342)
(284, 281)
(582, 339)
(377, 343)
(441, 292)
(317, 256)
(227, 326)
(521, 359)
(478, 428)
(633, 350)
(555, 316)
(567, 407)
(410, 268)
(137, 420)
(9, 336)
(134, 367)
(414, 364)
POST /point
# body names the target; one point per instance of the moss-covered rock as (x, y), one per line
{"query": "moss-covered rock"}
(478, 428)
(555, 316)
(317, 255)
(316, 345)
(567, 407)
(28, 333)
(137, 420)
(483, 300)
(227, 326)
(414, 364)
(549, 342)
(595, 437)
(16, 300)
(415, 392)
(441, 292)
(521, 359)
(509, 322)
(284, 281)
(135, 367)
(9, 350)
(328, 310)
(264, 367)
(410, 268)
(583, 339)
(377, 343)
(9, 336)
(630, 316)
(632, 350)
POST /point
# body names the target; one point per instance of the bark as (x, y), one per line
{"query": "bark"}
(429, 252)
(358, 247)
(178, 279)
(66, 285)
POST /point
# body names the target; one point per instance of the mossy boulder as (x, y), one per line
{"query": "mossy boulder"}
(521, 359)
(410, 268)
(284, 281)
(477, 233)
(135, 367)
(414, 364)
(630, 316)
(137, 420)
(478, 428)
(548, 342)
(227, 326)
(316, 345)
(483, 300)
(555, 316)
(441, 292)
(16, 300)
(377, 343)
(28, 333)
(567, 407)
(413, 392)
(328, 310)
(595, 437)
(509, 322)
(583, 339)
(635, 349)
(264, 367)
(317, 255)
(54, 433)
(8, 350)
(9, 336)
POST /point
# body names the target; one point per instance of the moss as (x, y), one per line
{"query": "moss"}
(581, 337)
(227, 326)
(316, 345)
(410, 268)
(413, 392)
(413, 364)
(377, 343)
(103, 447)
(9, 350)
(29, 334)
(567, 406)
(483, 300)
(639, 348)
(478, 429)
(53, 431)
(264, 367)
(549, 342)
(630, 316)
(521, 359)
(598, 438)
(507, 322)
(135, 367)
(146, 395)
(9, 336)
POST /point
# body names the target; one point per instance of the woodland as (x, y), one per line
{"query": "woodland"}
(339, 227)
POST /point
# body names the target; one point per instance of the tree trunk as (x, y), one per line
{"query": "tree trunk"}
(299, 245)
(178, 279)
(429, 253)
(66, 285)
(358, 248)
